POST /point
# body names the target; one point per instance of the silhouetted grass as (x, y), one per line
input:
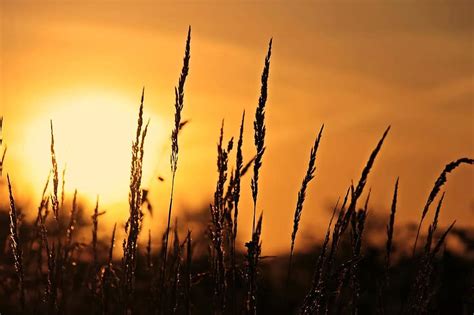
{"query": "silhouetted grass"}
(48, 271)
(259, 131)
(302, 195)
(133, 225)
(16, 246)
(179, 104)
(440, 181)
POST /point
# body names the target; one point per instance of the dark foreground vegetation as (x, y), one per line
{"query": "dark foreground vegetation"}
(45, 270)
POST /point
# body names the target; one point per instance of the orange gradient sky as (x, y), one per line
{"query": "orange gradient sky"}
(356, 67)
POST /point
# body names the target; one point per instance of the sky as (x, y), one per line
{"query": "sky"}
(357, 67)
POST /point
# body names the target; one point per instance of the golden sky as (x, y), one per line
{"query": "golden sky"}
(357, 67)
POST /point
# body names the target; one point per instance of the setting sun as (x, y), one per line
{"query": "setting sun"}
(93, 134)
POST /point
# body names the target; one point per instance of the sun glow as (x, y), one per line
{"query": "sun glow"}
(93, 133)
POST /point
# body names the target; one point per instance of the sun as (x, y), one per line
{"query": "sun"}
(93, 133)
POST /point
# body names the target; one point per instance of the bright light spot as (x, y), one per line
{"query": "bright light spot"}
(93, 136)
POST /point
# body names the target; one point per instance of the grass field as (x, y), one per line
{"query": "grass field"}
(45, 270)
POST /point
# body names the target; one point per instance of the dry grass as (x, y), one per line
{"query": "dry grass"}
(15, 245)
(317, 298)
(302, 195)
(51, 276)
(95, 229)
(422, 289)
(440, 181)
(259, 131)
(133, 225)
(179, 104)
(218, 220)
(54, 163)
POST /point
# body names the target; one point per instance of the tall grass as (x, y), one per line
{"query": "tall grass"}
(133, 225)
(54, 163)
(54, 252)
(421, 293)
(317, 298)
(302, 195)
(239, 160)
(440, 181)
(218, 229)
(384, 283)
(179, 104)
(15, 245)
(260, 131)
(70, 283)
(390, 227)
(95, 229)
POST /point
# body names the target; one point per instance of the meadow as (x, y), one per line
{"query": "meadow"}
(45, 270)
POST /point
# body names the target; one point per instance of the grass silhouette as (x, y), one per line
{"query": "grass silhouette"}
(50, 276)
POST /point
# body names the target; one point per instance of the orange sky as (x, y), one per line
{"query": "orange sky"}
(357, 67)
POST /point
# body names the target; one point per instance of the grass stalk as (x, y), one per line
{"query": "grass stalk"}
(254, 248)
(440, 181)
(259, 131)
(218, 221)
(133, 225)
(236, 199)
(95, 229)
(302, 196)
(15, 246)
(179, 104)
(54, 163)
